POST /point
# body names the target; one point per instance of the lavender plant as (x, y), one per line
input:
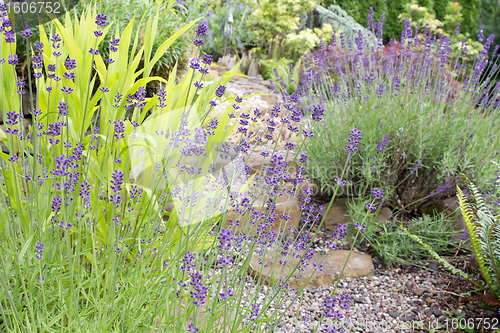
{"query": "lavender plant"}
(426, 116)
(87, 241)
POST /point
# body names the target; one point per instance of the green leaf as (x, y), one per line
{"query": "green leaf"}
(24, 249)
(165, 45)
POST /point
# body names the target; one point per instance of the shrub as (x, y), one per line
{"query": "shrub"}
(489, 18)
(423, 126)
(360, 10)
(273, 20)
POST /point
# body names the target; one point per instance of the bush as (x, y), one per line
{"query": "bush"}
(421, 126)
(449, 27)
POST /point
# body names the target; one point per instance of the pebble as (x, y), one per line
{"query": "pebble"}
(418, 291)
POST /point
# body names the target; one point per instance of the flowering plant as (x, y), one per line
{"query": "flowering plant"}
(159, 16)
(382, 93)
(88, 242)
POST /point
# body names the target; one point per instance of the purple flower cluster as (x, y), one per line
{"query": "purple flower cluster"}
(199, 291)
(201, 31)
(382, 144)
(39, 250)
(225, 239)
(137, 100)
(119, 129)
(342, 301)
(360, 227)
(221, 90)
(440, 190)
(65, 225)
(370, 206)
(318, 112)
(117, 183)
(354, 140)
(377, 193)
(100, 20)
(255, 312)
(192, 328)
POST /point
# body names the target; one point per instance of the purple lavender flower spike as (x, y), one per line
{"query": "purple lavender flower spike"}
(354, 140)
(370, 206)
(192, 328)
(221, 89)
(119, 129)
(383, 144)
(377, 193)
(39, 250)
(100, 20)
(415, 168)
(201, 31)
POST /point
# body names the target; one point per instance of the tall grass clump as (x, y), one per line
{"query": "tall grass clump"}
(425, 116)
(114, 205)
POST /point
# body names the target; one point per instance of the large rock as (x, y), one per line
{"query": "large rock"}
(272, 100)
(253, 70)
(339, 213)
(359, 265)
(218, 69)
(285, 204)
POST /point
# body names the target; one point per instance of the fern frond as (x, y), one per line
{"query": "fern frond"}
(443, 262)
(478, 201)
(494, 245)
(475, 233)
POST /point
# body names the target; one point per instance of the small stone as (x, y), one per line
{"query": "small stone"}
(433, 265)
(437, 313)
(394, 314)
(418, 291)
(429, 300)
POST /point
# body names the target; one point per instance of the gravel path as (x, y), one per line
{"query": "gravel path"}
(390, 301)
